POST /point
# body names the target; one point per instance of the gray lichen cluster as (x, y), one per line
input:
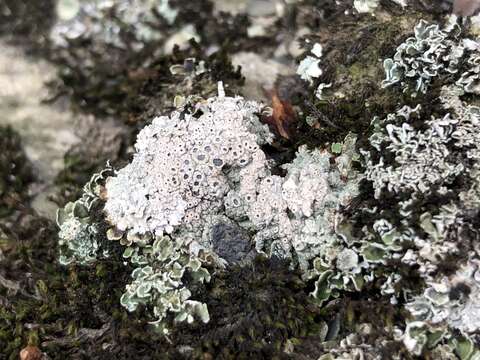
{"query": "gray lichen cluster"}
(198, 179)
(93, 19)
(417, 160)
(428, 164)
(158, 281)
(79, 230)
(431, 53)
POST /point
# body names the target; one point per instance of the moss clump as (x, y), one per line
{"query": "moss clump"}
(61, 310)
(255, 310)
(140, 83)
(27, 22)
(15, 172)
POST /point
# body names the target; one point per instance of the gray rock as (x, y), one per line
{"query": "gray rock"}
(231, 242)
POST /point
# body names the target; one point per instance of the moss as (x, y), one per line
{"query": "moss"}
(15, 172)
(254, 310)
(139, 82)
(60, 309)
(27, 22)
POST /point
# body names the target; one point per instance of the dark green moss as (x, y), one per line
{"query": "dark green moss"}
(254, 310)
(139, 84)
(15, 172)
(27, 22)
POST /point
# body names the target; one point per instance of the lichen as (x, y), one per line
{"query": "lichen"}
(452, 300)
(89, 19)
(296, 216)
(397, 229)
(79, 231)
(157, 282)
(309, 69)
(365, 6)
(187, 157)
(424, 166)
(431, 53)
(419, 155)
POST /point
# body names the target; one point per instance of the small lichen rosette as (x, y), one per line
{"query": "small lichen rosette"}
(309, 69)
(79, 232)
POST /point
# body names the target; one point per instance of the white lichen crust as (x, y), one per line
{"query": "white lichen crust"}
(189, 167)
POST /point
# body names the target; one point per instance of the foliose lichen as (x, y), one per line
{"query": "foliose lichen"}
(426, 167)
(79, 230)
(91, 19)
(157, 282)
(365, 6)
(433, 52)
(309, 69)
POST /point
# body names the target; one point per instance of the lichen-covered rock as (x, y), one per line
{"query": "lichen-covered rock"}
(230, 241)
(199, 175)
(400, 229)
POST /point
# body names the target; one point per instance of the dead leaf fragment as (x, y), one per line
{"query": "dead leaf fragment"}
(283, 117)
(31, 353)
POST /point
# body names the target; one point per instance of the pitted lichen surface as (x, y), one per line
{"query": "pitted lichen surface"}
(179, 173)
